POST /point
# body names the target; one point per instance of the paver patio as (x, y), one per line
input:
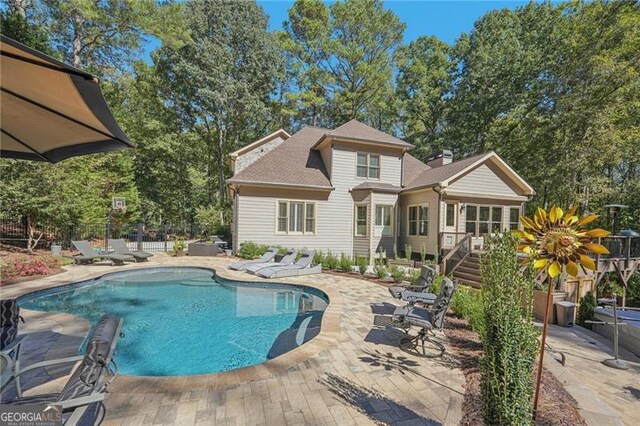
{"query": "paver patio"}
(352, 373)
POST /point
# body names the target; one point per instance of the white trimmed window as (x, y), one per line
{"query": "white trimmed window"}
(368, 166)
(481, 220)
(296, 217)
(384, 220)
(418, 221)
(361, 221)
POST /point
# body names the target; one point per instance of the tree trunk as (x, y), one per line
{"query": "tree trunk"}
(33, 240)
(77, 41)
(220, 159)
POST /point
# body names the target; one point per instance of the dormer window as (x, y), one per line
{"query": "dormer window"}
(368, 166)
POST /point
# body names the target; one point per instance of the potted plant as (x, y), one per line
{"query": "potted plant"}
(178, 247)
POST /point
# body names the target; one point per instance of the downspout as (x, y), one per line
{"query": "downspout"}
(438, 190)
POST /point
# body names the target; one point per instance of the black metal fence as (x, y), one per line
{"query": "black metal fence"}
(152, 238)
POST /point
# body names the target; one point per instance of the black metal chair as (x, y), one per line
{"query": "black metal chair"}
(427, 274)
(428, 320)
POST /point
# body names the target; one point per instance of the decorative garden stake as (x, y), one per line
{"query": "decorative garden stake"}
(557, 242)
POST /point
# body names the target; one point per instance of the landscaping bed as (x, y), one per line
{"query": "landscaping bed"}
(556, 406)
(19, 266)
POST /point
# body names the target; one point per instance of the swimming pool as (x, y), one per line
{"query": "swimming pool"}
(185, 320)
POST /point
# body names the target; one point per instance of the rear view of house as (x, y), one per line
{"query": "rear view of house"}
(357, 190)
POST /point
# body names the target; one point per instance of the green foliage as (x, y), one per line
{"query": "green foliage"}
(468, 303)
(586, 310)
(318, 258)
(633, 291)
(362, 263)
(251, 250)
(398, 274)
(423, 253)
(209, 218)
(179, 244)
(330, 261)
(345, 263)
(414, 275)
(380, 271)
(408, 251)
(508, 336)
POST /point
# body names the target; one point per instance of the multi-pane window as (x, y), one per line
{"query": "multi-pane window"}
(296, 217)
(481, 220)
(418, 220)
(368, 166)
(361, 221)
(383, 220)
(514, 218)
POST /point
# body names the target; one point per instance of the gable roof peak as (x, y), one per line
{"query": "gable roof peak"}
(354, 130)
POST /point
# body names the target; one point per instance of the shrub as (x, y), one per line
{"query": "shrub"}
(633, 291)
(345, 263)
(381, 271)
(413, 276)
(251, 250)
(423, 253)
(330, 261)
(508, 337)
(318, 258)
(467, 303)
(408, 251)
(363, 264)
(398, 274)
(395, 251)
(586, 310)
(22, 265)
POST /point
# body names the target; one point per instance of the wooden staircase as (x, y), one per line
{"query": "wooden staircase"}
(468, 272)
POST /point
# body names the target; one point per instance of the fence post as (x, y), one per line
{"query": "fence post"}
(139, 236)
(164, 236)
(107, 234)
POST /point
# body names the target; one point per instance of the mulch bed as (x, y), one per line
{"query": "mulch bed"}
(556, 406)
(4, 283)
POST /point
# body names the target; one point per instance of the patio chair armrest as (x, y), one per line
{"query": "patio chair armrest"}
(49, 363)
(82, 400)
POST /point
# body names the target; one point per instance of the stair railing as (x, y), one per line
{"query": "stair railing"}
(457, 255)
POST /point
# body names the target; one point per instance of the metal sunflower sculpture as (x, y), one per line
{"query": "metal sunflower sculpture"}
(557, 241)
(554, 242)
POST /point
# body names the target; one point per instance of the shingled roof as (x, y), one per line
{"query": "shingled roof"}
(359, 131)
(429, 177)
(292, 163)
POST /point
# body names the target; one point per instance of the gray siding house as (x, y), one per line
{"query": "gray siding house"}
(357, 190)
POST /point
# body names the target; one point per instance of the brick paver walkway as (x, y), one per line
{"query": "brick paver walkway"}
(352, 373)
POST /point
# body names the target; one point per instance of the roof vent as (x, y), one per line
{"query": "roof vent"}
(440, 158)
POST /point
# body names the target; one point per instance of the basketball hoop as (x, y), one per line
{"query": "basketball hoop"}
(118, 204)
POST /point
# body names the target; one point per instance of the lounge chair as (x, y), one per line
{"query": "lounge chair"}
(425, 279)
(287, 259)
(87, 255)
(265, 258)
(428, 319)
(120, 247)
(301, 267)
(9, 342)
(9, 320)
(82, 397)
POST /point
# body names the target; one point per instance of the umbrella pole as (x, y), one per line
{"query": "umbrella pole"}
(542, 346)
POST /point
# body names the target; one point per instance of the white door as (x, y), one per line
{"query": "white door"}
(450, 229)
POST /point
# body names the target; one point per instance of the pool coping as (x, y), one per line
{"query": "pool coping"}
(329, 331)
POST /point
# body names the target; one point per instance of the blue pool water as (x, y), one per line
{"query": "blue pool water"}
(181, 321)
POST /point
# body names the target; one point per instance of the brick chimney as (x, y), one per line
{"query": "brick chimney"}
(440, 158)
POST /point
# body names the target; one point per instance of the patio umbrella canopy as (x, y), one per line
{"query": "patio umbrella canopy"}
(51, 111)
